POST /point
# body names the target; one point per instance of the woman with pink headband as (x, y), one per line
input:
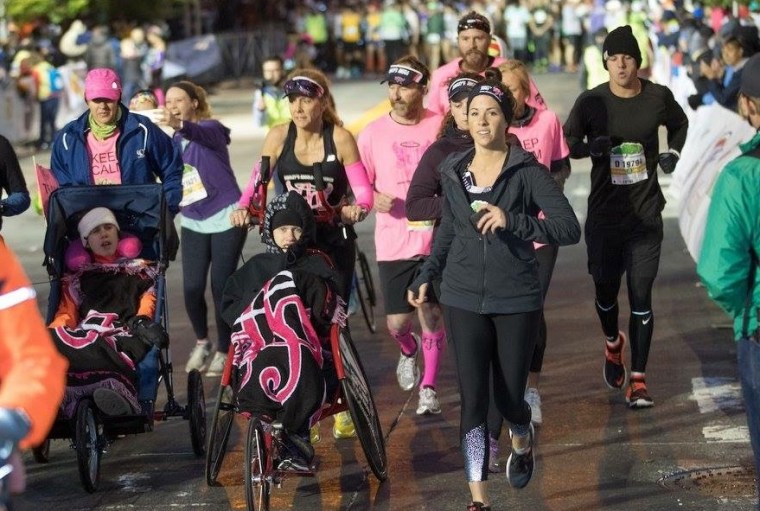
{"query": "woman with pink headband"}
(316, 135)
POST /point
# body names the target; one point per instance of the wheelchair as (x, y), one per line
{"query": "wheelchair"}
(264, 439)
(140, 210)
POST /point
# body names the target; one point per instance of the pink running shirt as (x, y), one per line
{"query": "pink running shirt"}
(543, 137)
(104, 165)
(390, 152)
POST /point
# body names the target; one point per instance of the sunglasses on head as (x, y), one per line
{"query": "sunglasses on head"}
(303, 86)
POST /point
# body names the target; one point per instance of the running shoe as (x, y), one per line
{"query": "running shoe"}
(428, 403)
(520, 466)
(614, 368)
(344, 426)
(637, 396)
(111, 402)
(216, 367)
(478, 506)
(534, 400)
(407, 372)
(198, 357)
(493, 455)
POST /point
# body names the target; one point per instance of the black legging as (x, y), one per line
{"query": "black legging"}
(220, 251)
(641, 321)
(547, 258)
(502, 343)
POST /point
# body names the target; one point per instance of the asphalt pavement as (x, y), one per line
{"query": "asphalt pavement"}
(691, 451)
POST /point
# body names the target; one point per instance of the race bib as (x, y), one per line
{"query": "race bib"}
(628, 165)
(420, 225)
(192, 186)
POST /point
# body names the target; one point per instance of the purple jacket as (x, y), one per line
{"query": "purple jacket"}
(207, 151)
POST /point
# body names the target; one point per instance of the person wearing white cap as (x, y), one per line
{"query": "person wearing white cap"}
(728, 261)
(108, 144)
(110, 290)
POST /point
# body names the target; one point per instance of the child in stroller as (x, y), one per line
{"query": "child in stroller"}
(281, 305)
(103, 322)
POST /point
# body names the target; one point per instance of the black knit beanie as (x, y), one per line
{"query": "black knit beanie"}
(286, 217)
(619, 41)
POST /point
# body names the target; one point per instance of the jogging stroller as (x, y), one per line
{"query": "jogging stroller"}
(140, 210)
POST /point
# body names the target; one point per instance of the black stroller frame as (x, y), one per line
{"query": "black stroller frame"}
(142, 211)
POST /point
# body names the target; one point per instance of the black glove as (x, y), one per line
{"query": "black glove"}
(600, 147)
(149, 332)
(695, 101)
(668, 161)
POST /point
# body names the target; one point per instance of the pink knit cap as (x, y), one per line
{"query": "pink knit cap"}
(102, 83)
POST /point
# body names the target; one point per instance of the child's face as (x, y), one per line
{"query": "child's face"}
(103, 240)
(286, 235)
(143, 103)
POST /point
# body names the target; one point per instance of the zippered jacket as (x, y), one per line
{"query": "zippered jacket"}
(731, 235)
(143, 150)
(497, 273)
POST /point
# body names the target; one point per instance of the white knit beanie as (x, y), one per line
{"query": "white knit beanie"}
(94, 218)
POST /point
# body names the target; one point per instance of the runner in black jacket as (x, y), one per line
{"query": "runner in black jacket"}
(490, 289)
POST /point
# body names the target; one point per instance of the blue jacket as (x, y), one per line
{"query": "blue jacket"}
(144, 152)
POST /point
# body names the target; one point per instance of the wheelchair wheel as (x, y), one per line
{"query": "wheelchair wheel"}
(365, 288)
(196, 407)
(88, 440)
(221, 427)
(358, 397)
(258, 484)
(41, 453)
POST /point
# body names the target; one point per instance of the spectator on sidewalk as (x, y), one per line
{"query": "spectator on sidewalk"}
(270, 105)
(728, 262)
(12, 182)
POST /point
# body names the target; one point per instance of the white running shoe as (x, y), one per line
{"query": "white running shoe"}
(198, 357)
(216, 367)
(407, 372)
(534, 400)
(428, 404)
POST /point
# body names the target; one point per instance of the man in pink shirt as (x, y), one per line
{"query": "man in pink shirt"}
(473, 39)
(390, 148)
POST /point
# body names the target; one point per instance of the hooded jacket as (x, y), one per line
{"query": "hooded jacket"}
(144, 152)
(731, 237)
(497, 273)
(424, 200)
(243, 285)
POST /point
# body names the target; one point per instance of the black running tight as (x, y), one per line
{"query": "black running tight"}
(641, 322)
(482, 343)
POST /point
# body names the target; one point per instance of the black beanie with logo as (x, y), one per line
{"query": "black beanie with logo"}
(621, 41)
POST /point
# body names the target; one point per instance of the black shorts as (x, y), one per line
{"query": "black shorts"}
(395, 279)
(613, 250)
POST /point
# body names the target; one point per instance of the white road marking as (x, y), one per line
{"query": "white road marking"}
(714, 394)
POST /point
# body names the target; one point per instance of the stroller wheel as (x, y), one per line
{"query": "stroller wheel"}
(196, 406)
(258, 468)
(221, 427)
(41, 452)
(88, 439)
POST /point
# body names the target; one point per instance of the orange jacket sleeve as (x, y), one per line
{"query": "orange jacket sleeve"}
(67, 314)
(147, 305)
(32, 372)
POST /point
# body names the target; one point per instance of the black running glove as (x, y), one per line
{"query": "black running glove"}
(600, 147)
(668, 161)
